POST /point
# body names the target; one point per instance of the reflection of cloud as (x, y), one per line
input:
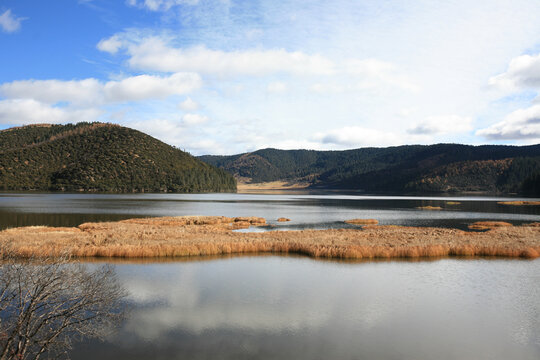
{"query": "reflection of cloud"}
(185, 301)
(250, 294)
(299, 308)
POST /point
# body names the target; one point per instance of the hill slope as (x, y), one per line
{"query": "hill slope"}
(411, 168)
(100, 157)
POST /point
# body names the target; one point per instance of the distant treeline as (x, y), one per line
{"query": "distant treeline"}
(101, 157)
(410, 168)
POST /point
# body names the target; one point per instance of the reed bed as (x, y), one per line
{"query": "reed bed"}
(486, 225)
(429, 207)
(362, 221)
(204, 236)
(520, 203)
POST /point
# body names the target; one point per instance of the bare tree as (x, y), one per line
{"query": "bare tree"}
(45, 304)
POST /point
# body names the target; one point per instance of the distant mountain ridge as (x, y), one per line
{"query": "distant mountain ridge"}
(101, 157)
(408, 168)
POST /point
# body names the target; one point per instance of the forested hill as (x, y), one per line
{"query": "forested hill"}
(100, 157)
(410, 168)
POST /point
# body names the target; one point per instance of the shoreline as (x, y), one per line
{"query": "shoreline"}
(192, 236)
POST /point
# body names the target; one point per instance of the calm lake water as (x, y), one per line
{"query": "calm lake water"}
(269, 307)
(305, 210)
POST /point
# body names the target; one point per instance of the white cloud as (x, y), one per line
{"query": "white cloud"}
(160, 5)
(372, 72)
(29, 111)
(194, 119)
(53, 91)
(175, 132)
(91, 91)
(519, 125)
(407, 111)
(276, 87)
(356, 136)
(9, 23)
(167, 130)
(151, 87)
(155, 55)
(188, 105)
(322, 88)
(110, 45)
(523, 72)
(442, 124)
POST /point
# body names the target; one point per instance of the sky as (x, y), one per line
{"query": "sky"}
(231, 76)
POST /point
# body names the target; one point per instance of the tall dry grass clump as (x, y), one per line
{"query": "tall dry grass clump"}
(203, 236)
(362, 221)
(486, 225)
(519, 203)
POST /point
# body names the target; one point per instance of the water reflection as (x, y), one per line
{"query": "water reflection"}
(296, 308)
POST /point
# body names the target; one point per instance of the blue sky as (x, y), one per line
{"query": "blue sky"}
(226, 76)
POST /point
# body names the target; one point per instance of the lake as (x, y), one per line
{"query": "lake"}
(306, 210)
(269, 307)
(290, 307)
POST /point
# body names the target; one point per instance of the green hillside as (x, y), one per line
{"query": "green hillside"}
(100, 157)
(411, 168)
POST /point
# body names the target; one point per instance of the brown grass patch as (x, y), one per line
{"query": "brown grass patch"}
(362, 221)
(203, 236)
(453, 203)
(486, 225)
(429, 207)
(519, 203)
(283, 219)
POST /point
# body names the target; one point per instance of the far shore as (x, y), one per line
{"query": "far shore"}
(204, 235)
(273, 185)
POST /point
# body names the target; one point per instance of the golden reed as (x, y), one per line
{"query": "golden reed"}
(202, 236)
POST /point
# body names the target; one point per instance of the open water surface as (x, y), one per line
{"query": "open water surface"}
(269, 307)
(316, 211)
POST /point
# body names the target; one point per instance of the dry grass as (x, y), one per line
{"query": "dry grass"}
(519, 203)
(429, 207)
(486, 225)
(453, 203)
(362, 221)
(202, 236)
(283, 219)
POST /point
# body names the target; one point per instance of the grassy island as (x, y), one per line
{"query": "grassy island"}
(197, 235)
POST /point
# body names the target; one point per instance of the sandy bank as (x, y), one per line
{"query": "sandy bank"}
(195, 236)
(273, 185)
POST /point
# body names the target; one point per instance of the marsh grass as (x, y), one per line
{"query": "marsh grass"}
(362, 221)
(205, 236)
(519, 203)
